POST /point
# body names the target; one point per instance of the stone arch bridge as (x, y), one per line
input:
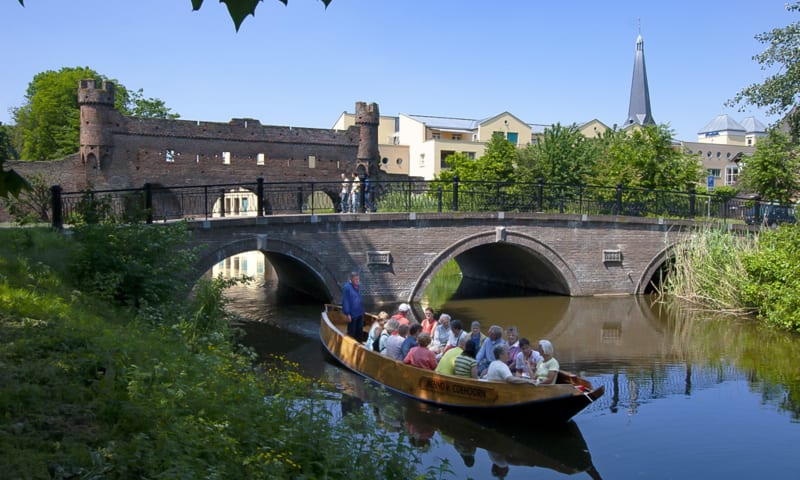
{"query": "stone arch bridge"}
(397, 254)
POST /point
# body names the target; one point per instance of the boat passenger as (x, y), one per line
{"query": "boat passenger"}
(429, 322)
(527, 360)
(395, 342)
(456, 334)
(447, 363)
(411, 340)
(465, 364)
(547, 371)
(375, 331)
(486, 353)
(421, 356)
(389, 330)
(512, 338)
(498, 370)
(441, 334)
(476, 336)
(402, 314)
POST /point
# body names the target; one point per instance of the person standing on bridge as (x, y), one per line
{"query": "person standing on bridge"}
(353, 307)
(344, 206)
(355, 191)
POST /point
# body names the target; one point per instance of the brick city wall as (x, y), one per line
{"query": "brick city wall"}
(126, 152)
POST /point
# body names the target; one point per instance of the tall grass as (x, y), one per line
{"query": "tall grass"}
(708, 272)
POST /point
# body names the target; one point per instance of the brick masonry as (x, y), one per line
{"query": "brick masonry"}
(562, 254)
(119, 152)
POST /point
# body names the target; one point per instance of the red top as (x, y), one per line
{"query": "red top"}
(421, 357)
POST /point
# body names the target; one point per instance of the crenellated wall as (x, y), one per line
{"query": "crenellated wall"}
(126, 152)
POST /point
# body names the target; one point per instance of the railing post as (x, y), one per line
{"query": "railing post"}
(312, 198)
(455, 193)
(692, 199)
(300, 199)
(759, 217)
(439, 192)
(539, 194)
(57, 220)
(408, 197)
(205, 201)
(148, 202)
(618, 202)
(222, 202)
(362, 196)
(260, 196)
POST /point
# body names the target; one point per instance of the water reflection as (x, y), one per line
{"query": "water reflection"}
(666, 373)
(560, 448)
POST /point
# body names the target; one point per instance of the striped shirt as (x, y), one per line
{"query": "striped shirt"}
(463, 365)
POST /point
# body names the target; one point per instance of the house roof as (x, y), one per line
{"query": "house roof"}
(752, 125)
(722, 123)
(447, 123)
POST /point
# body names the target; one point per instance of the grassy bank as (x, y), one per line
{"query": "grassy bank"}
(721, 271)
(106, 372)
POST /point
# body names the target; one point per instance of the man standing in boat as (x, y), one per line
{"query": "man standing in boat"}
(353, 307)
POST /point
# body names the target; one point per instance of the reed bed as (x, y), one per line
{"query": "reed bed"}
(708, 271)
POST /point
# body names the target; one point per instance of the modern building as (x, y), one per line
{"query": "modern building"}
(722, 145)
(418, 145)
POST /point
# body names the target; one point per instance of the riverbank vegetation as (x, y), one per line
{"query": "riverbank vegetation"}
(719, 270)
(108, 371)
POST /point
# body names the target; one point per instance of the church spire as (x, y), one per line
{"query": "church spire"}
(639, 107)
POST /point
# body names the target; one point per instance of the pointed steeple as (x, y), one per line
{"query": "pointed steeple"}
(639, 107)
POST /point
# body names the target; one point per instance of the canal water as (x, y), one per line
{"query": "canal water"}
(687, 395)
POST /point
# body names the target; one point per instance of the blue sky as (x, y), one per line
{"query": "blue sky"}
(303, 65)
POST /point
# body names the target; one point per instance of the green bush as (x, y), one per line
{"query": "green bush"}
(92, 388)
(773, 277)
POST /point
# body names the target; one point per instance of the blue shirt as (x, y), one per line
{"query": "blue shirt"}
(486, 354)
(351, 301)
(409, 343)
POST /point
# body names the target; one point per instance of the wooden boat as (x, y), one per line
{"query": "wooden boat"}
(499, 400)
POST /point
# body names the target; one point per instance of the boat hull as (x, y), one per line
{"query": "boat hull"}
(500, 401)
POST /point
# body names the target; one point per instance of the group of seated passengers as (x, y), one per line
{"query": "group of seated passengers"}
(443, 345)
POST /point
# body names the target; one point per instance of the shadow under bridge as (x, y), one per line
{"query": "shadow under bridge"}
(508, 269)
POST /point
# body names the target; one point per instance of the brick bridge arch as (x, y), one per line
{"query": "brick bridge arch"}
(397, 254)
(530, 262)
(296, 267)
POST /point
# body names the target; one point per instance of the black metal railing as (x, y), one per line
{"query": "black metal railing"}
(153, 203)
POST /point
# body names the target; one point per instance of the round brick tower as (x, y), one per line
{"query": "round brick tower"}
(367, 119)
(97, 108)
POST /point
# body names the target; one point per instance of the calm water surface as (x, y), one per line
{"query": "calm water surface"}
(686, 397)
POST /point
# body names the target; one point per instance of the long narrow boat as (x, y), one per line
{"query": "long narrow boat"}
(497, 400)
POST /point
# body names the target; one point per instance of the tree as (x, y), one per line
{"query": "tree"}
(779, 92)
(48, 123)
(238, 9)
(497, 162)
(7, 150)
(646, 158)
(149, 107)
(773, 171)
(562, 156)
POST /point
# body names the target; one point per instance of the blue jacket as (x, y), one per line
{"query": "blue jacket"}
(351, 301)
